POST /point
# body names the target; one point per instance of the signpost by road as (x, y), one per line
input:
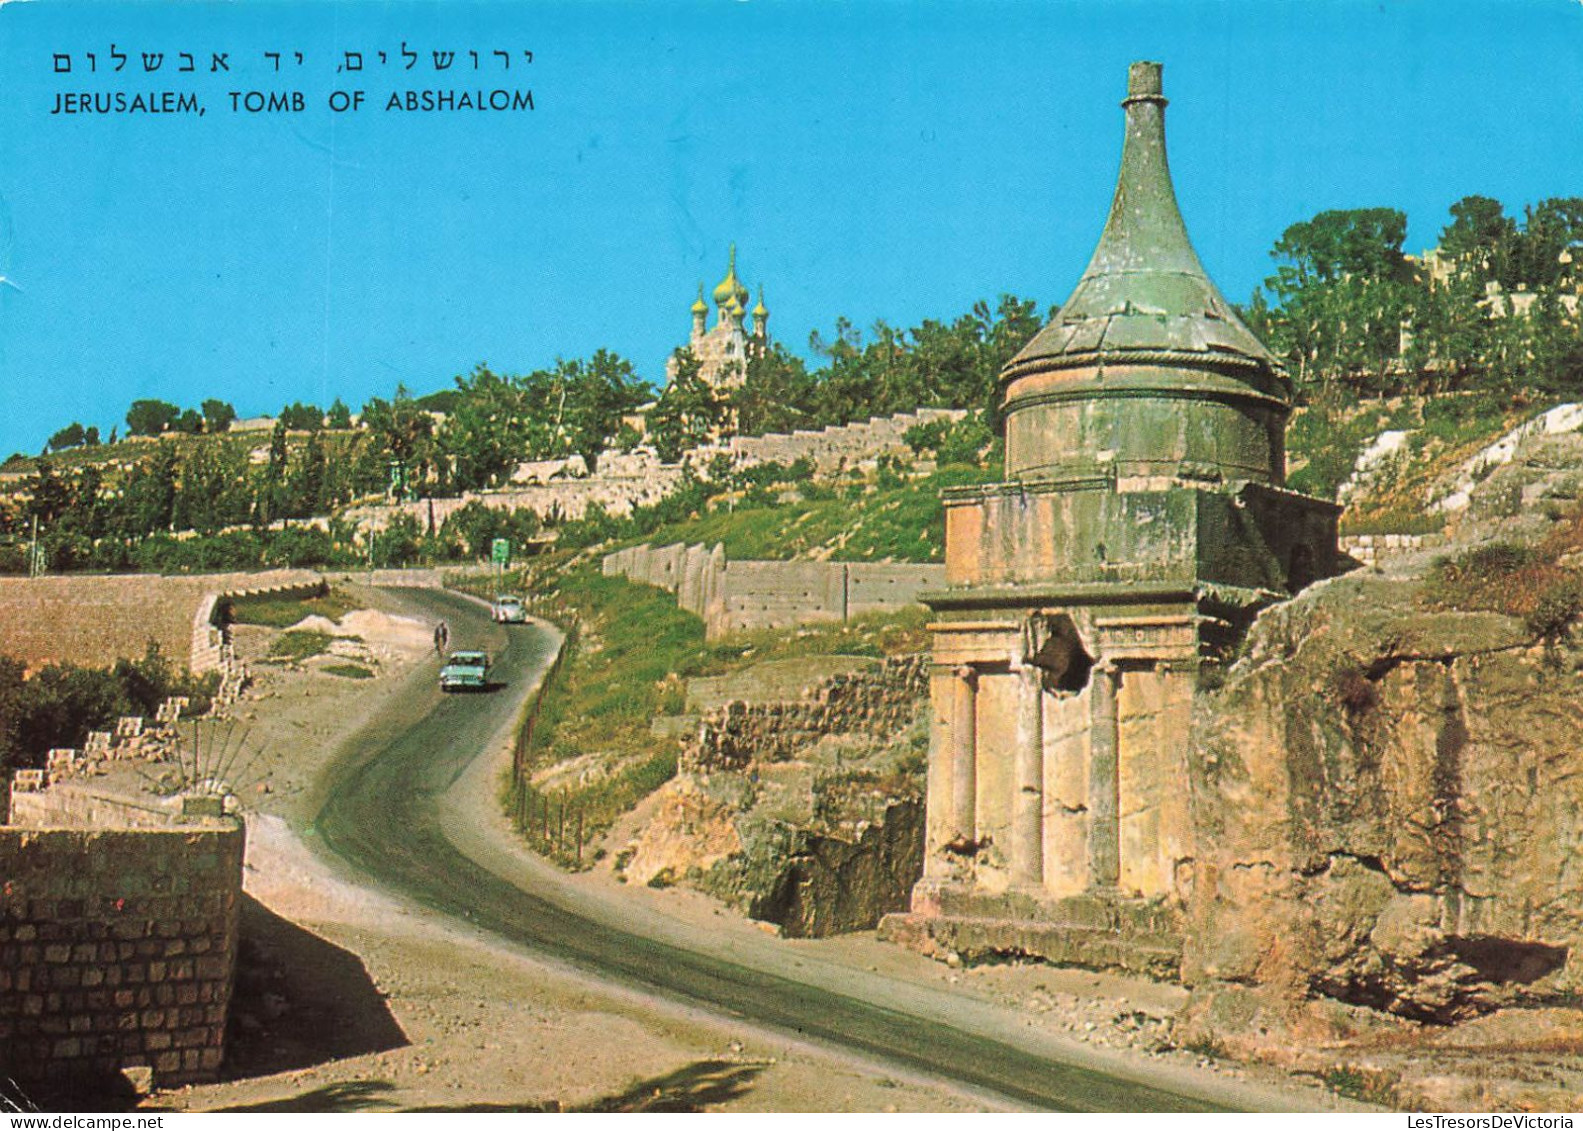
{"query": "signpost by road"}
(500, 555)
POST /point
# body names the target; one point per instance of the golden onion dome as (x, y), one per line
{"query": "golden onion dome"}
(731, 287)
(700, 307)
(760, 311)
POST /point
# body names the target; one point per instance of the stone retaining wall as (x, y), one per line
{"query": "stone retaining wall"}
(880, 703)
(1370, 548)
(830, 448)
(117, 951)
(734, 596)
(95, 620)
(563, 498)
(621, 481)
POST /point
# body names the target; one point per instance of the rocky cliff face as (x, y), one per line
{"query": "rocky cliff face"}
(804, 812)
(1390, 804)
(829, 883)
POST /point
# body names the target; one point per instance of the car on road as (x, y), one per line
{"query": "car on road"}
(509, 610)
(465, 671)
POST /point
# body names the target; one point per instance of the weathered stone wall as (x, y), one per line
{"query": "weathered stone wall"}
(117, 949)
(770, 680)
(832, 447)
(878, 703)
(621, 481)
(65, 807)
(1388, 808)
(95, 620)
(735, 596)
(564, 498)
(1372, 548)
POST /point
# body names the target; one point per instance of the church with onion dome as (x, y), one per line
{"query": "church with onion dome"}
(738, 334)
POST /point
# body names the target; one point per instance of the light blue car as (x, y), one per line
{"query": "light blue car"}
(465, 671)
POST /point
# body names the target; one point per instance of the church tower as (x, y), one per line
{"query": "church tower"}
(724, 349)
(1142, 524)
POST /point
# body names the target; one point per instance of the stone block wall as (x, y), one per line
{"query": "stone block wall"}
(735, 596)
(880, 703)
(563, 498)
(117, 949)
(208, 651)
(95, 620)
(830, 448)
(1372, 548)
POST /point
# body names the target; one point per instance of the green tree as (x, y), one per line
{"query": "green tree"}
(487, 431)
(71, 436)
(1342, 294)
(689, 411)
(218, 416)
(212, 491)
(1552, 238)
(270, 499)
(148, 495)
(150, 417)
(597, 393)
(309, 491)
(49, 497)
(339, 417)
(1482, 239)
(301, 417)
(776, 394)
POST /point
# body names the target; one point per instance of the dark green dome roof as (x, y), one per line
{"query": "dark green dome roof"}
(1145, 299)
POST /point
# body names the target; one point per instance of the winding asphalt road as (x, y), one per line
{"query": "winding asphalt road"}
(385, 813)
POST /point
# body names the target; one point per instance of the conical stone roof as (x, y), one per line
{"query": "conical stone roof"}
(1145, 299)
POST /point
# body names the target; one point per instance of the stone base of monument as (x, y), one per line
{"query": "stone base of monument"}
(1095, 931)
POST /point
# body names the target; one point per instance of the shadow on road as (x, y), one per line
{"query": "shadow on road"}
(697, 1087)
(349, 1095)
(300, 1000)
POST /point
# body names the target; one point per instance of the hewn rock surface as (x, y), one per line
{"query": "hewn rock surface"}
(805, 812)
(1390, 809)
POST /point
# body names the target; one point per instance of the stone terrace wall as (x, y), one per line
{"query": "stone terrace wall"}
(829, 448)
(568, 498)
(1371, 548)
(95, 620)
(117, 950)
(621, 481)
(733, 596)
(878, 703)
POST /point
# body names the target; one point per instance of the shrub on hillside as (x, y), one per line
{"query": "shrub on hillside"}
(61, 703)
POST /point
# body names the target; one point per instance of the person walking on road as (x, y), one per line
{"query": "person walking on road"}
(442, 637)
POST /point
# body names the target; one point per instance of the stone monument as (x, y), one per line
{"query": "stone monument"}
(1142, 524)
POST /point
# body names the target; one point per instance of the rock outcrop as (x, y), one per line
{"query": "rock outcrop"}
(807, 813)
(1390, 809)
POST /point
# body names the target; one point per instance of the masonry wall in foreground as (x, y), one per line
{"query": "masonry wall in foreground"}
(117, 950)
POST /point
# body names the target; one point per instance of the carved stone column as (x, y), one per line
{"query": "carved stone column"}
(964, 753)
(939, 826)
(1027, 807)
(1104, 783)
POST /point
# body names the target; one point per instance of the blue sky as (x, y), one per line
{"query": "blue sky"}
(878, 160)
